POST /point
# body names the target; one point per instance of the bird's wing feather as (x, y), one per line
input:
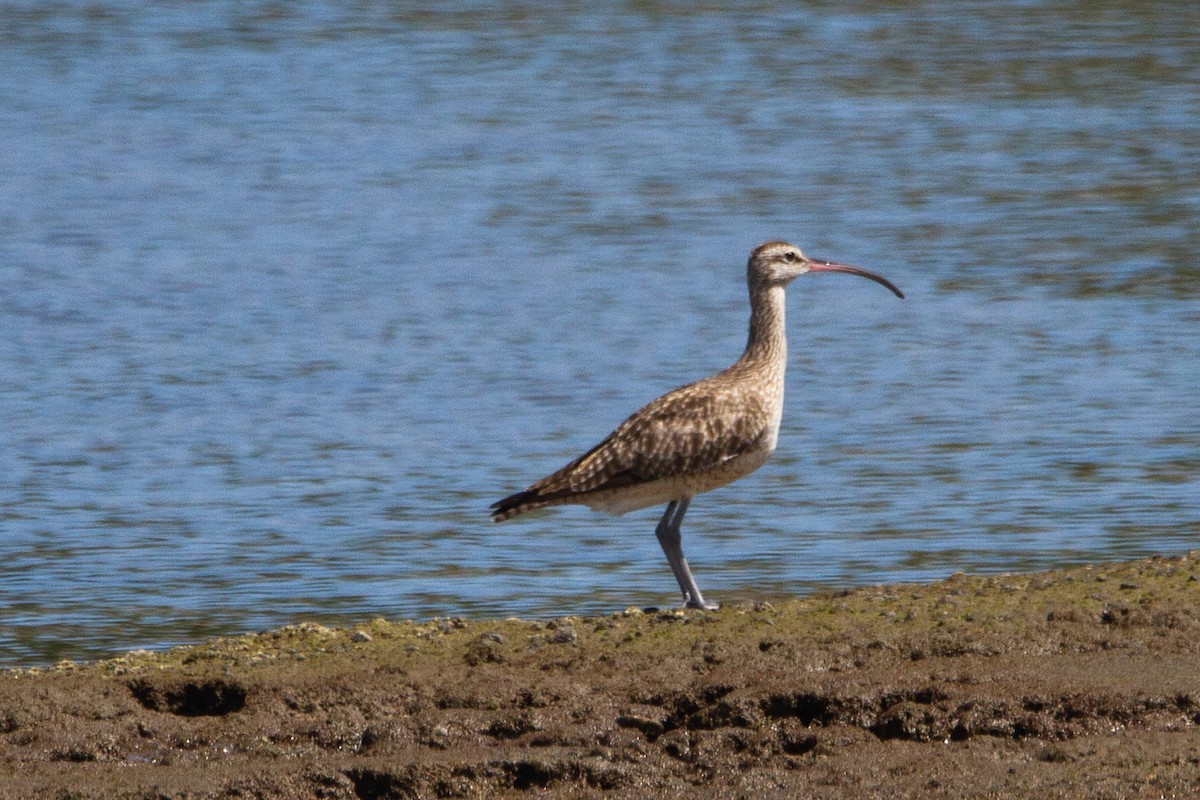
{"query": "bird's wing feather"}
(690, 430)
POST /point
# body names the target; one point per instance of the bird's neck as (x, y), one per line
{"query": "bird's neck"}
(767, 344)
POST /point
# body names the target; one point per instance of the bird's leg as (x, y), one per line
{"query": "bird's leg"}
(670, 538)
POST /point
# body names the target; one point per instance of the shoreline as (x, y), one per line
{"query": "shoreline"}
(1080, 682)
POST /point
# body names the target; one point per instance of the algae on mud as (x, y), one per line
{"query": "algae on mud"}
(1083, 682)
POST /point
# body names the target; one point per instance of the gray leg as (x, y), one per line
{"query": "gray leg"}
(670, 539)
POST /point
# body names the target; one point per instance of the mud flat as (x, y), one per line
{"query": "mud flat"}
(1080, 683)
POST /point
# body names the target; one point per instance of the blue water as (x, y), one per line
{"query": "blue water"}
(290, 293)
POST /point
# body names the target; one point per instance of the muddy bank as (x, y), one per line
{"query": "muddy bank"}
(1078, 683)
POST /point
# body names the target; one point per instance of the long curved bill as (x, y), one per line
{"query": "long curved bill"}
(818, 265)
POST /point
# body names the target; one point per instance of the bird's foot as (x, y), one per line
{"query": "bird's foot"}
(701, 604)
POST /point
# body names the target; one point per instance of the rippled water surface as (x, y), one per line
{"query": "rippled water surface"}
(289, 293)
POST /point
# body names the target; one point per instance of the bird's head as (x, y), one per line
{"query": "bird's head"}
(779, 263)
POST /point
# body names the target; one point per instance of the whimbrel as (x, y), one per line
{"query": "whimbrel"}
(698, 437)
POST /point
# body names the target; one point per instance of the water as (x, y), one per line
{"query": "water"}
(291, 292)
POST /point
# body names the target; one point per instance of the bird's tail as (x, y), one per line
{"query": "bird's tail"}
(515, 504)
(554, 489)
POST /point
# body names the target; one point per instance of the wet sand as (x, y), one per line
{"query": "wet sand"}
(1080, 683)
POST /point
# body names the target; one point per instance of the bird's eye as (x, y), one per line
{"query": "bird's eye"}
(789, 256)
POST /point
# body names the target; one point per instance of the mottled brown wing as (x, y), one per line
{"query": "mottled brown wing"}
(685, 432)
(692, 429)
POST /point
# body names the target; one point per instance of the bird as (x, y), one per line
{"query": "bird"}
(698, 437)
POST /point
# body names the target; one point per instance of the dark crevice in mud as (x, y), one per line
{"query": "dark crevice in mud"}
(530, 774)
(371, 784)
(921, 715)
(522, 774)
(807, 707)
(190, 699)
(527, 774)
